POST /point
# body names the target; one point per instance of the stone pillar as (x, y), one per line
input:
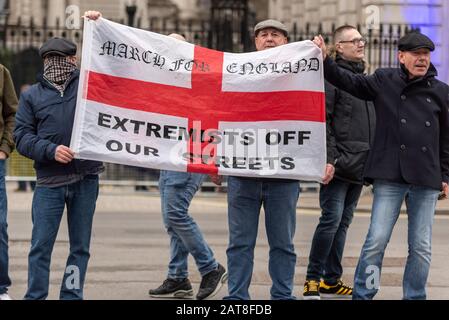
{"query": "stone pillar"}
(298, 14)
(328, 9)
(56, 10)
(275, 9)
(312, 9)
(187, 8)
(287, 13)
(260, 8)
(348, 12)
(142, 13)
(38, 13)
(26, 12)
(16, 10)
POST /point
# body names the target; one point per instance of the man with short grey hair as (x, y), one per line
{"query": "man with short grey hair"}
(278, 197)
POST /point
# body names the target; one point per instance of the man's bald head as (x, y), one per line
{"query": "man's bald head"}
(177, 36)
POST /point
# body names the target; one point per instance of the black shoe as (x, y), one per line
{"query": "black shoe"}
(212, 283)
(171, 288)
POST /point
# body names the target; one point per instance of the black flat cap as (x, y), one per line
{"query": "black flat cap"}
(58, 47)
(414, 41)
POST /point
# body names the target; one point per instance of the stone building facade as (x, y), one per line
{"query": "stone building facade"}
(431, 16)
(116, 9)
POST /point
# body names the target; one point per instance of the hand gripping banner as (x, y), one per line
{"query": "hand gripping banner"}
(153, 101)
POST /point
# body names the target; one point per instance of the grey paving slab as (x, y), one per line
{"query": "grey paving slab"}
(129, 251)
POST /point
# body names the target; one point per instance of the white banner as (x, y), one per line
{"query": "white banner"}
(153, 101)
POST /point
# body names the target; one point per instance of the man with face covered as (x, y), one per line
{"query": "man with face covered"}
(279, 197)
(43, 132)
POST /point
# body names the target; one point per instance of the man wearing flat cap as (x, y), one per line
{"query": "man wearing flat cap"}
(43, 132)
(409, 159)
(278, 197)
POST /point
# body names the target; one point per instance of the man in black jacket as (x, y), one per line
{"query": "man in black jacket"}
(350, 131)
(43, 131)
(409, 158)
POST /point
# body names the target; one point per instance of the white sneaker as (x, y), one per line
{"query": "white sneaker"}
(5, 296)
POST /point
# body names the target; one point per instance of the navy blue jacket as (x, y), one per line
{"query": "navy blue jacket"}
(411, 143)
(44, 121)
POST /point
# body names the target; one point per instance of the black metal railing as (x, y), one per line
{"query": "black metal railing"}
(381, 48)
(20, 36)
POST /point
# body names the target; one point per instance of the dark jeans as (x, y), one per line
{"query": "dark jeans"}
(245, 199)
(48, 207)
(338, 201)
(5, 282)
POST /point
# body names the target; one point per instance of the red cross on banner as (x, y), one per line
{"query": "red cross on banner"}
(153, 101)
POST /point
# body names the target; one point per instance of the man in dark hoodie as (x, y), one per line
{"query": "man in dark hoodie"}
(43, 132)
(409, 159)
(350, 132)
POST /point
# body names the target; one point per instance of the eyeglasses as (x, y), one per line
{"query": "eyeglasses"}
(356, 42)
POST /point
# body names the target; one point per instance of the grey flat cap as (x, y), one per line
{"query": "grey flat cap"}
(270, 23)
(58, 47)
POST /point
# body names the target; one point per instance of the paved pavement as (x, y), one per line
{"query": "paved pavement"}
(129, 251)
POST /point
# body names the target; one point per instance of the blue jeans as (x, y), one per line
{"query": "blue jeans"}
(388, 198)
(47, 211)
(177, 190)
(5, 282)
(338, 201)
(245, 199)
